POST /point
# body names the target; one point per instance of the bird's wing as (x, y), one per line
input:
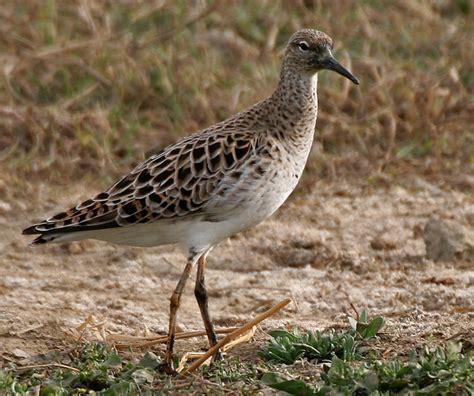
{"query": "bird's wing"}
(175, 183)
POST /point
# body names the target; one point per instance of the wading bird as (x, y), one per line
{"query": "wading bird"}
(213, 183)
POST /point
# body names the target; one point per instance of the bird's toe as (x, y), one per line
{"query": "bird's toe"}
(218, 356)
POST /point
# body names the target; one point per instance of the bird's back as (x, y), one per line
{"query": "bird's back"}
(183, 183)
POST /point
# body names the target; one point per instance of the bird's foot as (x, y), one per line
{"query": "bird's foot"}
(167, 368)
(167, 365)
(218, 356)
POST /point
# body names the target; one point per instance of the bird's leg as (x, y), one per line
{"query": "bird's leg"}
(174, 305)
(201, 296)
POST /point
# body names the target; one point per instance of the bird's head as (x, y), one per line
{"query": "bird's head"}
(309, 51)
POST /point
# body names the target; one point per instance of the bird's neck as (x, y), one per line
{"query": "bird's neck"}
(297, 91)
(296, 97)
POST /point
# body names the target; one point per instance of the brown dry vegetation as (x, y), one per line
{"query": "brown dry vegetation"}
(89, 88)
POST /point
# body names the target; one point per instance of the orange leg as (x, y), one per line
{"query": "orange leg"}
(174, 306)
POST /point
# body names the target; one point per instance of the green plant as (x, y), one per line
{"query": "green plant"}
(95, 368)
(289, 346)
(364, 327)
(293, 387)
(441, 370)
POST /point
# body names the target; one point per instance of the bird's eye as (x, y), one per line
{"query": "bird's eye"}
(303, 46)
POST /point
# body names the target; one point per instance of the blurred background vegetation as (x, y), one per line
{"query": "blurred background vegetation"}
(89, 87)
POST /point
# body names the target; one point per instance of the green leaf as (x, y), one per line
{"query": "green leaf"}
(373, 327)
(142, 376)
(281, 333)
(149, 360)
(113, 361)
(349, 345)
(121, 388)
(293, 387)
(272, 378)
(371, 381)
(52, 390)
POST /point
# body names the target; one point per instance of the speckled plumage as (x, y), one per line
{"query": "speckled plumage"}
(216, 182)
(254, 158)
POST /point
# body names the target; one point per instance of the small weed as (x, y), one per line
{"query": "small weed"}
(233, 370)
(235, 374)
(442, 370)
(293, 387)
(365, 328)
(289, 346)
(97, 368)
(348, 369)
(437, 371)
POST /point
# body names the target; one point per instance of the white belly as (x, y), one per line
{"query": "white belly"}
(248, 210)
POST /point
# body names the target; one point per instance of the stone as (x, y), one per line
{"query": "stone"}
(445, 240)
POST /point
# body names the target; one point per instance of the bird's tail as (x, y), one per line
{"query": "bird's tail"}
(40, 239)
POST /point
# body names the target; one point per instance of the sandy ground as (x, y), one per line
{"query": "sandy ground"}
(340, 245)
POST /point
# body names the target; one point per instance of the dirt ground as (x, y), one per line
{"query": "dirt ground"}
(340, 244)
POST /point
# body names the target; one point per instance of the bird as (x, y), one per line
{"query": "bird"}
(213, 183)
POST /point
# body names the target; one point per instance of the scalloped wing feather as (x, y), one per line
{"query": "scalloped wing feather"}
(176, 183)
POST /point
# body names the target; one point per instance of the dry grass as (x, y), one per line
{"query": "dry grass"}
(89, 85)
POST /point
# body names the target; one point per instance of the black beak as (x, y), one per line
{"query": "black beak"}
(332, 64)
